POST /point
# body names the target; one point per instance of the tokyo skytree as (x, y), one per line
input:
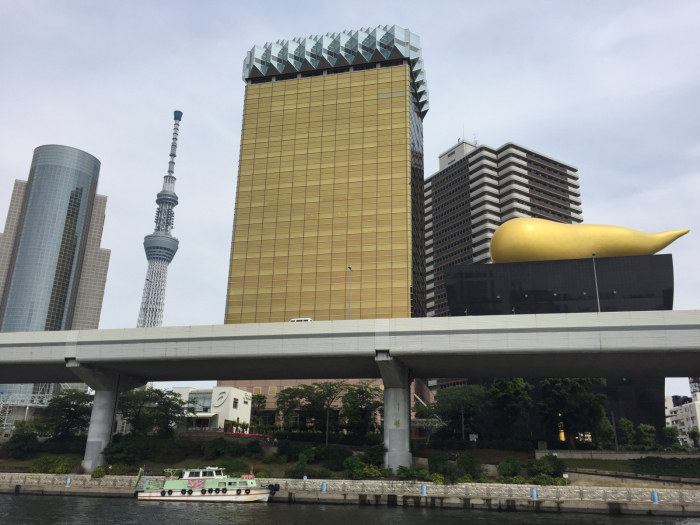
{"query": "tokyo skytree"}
(160, 246)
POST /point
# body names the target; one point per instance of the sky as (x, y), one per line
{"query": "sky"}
(611, 87)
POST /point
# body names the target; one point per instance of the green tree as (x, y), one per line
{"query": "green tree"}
(606, 435)
(694, 434)
(569, 405)
(259, 402)
(148, 409)
(169, 411)
(68, 412)
(289, 402)
(360, 405)
(625, 431)
(510, 398)
(648, 432)
(671, 434)
(136, 406)
(461, 405)
(326, 394)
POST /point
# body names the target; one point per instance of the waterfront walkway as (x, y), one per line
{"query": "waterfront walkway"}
(616, 500)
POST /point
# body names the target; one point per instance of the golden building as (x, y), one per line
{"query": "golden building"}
(330, 177)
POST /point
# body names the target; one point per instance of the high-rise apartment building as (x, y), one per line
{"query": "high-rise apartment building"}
(331, 177)
(476, 189)
(52, 269)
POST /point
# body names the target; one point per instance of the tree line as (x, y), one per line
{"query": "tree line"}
(567, 406)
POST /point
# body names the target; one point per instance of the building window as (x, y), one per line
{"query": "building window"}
(272, 391)
(257, 390)
(235, 402)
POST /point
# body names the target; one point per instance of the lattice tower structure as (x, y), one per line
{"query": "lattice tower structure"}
(160, 246)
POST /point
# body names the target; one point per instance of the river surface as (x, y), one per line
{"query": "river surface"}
(21, 510)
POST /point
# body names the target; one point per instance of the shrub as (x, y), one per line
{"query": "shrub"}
(374, 455)
(501, 479)
(254, 448)
(438, 479)
(293, 450)
(220, 447)
(119, 469)
(685, 467)
(321, 473)
(517, 480)
(299, 470)
(355, 467)
(412, 473)
(234, 467)
(65, 445)
(99, 472)
(281, 459)
(542, 479)
(549, 464)
(370, 471)
(333, 438)
(510, 467)
(386, 472)
(436, 460)
(52, 465)
(22, 446)
(559, 482)
(464, 479)
(482, 479)
(468, 463)
(262, 474)
(269, 459)
(332, 456)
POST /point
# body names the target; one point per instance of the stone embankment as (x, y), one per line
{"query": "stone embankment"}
(609, 500)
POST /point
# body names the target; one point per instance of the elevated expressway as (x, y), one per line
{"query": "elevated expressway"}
(627, 344)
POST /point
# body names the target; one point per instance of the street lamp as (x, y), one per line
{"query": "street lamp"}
(350, 302)
(595, 276)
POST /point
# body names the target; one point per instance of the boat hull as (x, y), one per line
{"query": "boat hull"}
(256, 495)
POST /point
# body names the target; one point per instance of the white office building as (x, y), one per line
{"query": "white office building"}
(215, 406)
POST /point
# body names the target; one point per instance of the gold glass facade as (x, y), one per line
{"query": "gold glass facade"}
(329, 176)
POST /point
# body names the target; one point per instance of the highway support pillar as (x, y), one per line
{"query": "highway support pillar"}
(107, 385)
(397, 410)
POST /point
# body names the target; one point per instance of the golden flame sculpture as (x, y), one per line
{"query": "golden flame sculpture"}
(520, 240)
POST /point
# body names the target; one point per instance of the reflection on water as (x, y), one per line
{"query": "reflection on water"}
(26, 510)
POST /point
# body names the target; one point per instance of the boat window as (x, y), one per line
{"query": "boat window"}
(219, 472)
(232, 484)
(207, 474)
(222, 484)
(193, 475)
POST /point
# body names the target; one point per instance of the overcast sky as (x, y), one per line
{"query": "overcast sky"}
(611, 87)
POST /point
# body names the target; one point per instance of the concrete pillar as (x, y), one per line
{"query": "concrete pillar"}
(397, 411)
(107, 385)
(100, 430)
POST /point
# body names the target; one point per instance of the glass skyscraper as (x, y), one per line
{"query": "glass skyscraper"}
(330, 177)
(52, 269)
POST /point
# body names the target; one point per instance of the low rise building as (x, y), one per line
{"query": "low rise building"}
(214, 407)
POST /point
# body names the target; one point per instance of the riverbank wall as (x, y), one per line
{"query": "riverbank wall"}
(606, 500)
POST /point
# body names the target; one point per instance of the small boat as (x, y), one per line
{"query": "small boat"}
(207, 484)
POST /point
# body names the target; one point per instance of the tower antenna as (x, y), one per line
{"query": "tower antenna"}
(160, 246)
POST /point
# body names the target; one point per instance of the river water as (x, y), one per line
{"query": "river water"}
(21, 510)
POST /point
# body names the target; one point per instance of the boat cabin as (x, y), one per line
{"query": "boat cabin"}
(207, 473)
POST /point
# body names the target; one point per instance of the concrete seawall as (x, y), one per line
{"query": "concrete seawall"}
(606, 500)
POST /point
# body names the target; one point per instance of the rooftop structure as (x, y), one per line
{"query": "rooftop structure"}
(477, 189)
(160, 246)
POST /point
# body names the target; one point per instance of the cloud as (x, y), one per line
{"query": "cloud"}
(611, 87)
